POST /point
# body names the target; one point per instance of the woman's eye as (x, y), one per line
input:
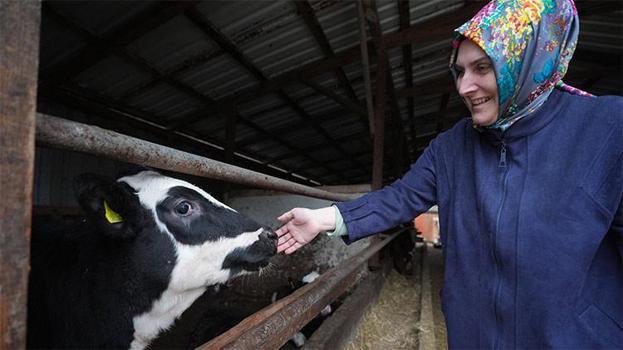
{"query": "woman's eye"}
(183, 208)
(483, 68)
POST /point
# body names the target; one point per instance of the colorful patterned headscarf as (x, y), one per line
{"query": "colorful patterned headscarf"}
(530, 43)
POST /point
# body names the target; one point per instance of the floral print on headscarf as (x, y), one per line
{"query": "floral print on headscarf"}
(530, 43)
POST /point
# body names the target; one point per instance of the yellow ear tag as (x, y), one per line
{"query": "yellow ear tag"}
(112, 216)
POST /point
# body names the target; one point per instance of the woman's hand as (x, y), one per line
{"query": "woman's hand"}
(301, 226)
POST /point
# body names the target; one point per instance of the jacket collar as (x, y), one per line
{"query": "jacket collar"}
(533, 122)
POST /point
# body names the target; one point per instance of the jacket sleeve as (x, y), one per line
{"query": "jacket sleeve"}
(394, 204)
(617, 228)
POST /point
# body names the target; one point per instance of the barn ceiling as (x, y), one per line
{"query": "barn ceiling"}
(279, 86)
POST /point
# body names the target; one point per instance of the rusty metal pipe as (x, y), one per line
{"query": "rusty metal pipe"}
(61, 133)
(272, 326)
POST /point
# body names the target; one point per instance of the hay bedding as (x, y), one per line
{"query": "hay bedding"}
(393, 323)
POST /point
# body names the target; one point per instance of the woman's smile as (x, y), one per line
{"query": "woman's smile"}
(478, 101)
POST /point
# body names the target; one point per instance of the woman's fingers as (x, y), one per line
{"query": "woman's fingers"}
(285, 245)
(284, 238)
(285, 217)
(282, 230)
(293, 248)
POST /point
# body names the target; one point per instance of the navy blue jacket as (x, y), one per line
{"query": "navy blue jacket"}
(531, 225)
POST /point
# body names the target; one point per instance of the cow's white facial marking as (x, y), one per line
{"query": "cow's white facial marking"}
(152, 188)
(212, 243)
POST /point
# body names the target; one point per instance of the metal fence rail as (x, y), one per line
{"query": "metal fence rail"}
(271, 327)
(61, 133)
(274, 325)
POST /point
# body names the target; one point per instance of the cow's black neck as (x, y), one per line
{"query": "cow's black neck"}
(109, 281)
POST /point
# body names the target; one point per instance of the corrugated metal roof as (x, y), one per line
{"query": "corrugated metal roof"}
(177, 69)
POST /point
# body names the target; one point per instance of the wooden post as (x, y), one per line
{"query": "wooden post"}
(19, 59)
(365, 61)
(371, 17)
(229, 111)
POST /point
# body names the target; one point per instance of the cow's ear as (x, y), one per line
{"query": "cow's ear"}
(109, 205)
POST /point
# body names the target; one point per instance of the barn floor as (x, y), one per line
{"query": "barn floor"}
(407, 314)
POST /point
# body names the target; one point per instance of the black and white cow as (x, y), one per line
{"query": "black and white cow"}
(148, 246)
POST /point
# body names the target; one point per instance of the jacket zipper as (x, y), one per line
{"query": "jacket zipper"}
(504, 166)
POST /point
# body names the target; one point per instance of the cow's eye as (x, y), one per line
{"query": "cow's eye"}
(183, 208)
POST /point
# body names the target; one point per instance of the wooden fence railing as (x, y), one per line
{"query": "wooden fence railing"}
(270, 327)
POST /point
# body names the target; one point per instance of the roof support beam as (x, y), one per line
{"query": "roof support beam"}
(395, 119)
(306, 11)
(214, 34)
(405, 22)
(365, 65)
(371, 17)
(142, 64)
(433, 29)
(344, 102)
(585, 8)
(157, 14)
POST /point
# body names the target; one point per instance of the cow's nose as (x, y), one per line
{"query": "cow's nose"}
(268, 234)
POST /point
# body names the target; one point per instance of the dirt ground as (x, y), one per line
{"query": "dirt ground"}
(407, 314)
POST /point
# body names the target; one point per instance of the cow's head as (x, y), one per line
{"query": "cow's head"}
(211, 242)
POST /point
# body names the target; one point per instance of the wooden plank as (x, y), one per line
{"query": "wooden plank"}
(19, 59)
(272, 326)
(339, 329)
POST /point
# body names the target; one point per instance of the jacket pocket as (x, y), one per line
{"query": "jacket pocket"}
(602, 325)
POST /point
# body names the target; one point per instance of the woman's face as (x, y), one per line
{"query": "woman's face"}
(476, 83)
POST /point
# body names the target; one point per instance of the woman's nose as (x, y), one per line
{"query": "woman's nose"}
(466, 85)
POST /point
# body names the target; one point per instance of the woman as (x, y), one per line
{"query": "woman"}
(529, 191)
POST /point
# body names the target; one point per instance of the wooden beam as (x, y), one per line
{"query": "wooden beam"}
(597, 7)
(339, 329)
(371, 16)
(138, 25)
(272, 326)
(344, 102)
(64, 134)
(19, 59)
(435, 86)
(144, 65)
(395, 120)
(131, 120)
(230, 140)
(320, 130)
(307, 13)
(226, 45)
(416, 33)
(365, 65)
(112, 48)
(404, 23)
